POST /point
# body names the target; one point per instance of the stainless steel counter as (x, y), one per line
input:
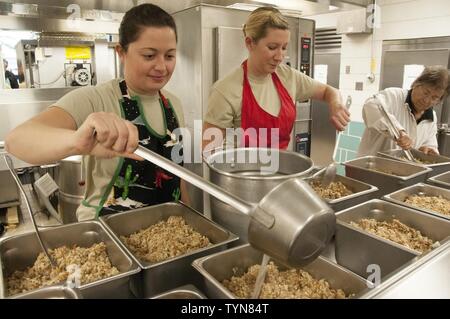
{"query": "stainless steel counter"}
(425, 278)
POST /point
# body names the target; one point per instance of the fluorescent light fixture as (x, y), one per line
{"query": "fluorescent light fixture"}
(332, 8)
(244, 6)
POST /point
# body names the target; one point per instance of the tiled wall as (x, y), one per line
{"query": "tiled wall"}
(349, 143)
(400, 19)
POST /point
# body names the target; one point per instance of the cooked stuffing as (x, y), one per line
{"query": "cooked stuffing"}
(386, 171)
(436, 203)
(287, 284)
(165, 239)
(334, 190)
(93, 262)
(417, 160)
(397, 232)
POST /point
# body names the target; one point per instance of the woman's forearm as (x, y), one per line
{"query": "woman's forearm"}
(332, 97)
(37, 143)
(46, 138)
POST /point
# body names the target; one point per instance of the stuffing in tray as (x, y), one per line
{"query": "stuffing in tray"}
(287, 284)
(397, 232)
(438, 204)
(165, 239)
(93, 263)
(334, 190)
(417, 160)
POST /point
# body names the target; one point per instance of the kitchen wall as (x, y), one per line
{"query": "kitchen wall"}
(399, 19)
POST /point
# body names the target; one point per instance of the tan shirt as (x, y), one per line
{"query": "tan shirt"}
(106, 98)
(225, 100)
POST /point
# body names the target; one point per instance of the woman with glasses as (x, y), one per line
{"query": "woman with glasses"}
(411, 111)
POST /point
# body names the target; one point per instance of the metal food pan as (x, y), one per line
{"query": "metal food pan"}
(357, 249)
(427, 278)
(50, 292)
(403, 174)
(439, 164)
(399, 196)
(361, 192)
(19, 252)
(223, 265)
(184, 292)
(441, 180)
(177, 271)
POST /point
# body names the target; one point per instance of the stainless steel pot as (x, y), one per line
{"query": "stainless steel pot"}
(71, 184)
(291, 223)
(246, 180)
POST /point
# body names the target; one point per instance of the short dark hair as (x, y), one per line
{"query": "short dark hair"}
(436, 76)
(144, 15)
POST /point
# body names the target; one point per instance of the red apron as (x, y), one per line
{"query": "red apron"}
(253, 116)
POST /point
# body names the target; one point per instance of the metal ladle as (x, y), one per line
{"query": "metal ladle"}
(330, 172)
(291, 223)
(10, 165)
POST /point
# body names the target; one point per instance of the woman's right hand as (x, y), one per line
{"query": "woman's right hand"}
(404, 141)
(106, 135)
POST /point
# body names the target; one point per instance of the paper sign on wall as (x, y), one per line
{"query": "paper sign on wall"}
(410, 73)
(78, 53)
(321, 73)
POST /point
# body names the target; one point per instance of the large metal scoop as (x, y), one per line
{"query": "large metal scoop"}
(291, 223)
(10, 166)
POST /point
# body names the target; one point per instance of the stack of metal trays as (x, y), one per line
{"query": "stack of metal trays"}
(386, 174)
(438, 163)
(361, 192)
(162, 276)
(363, 252)
(420, 189)
(19, 252)
(441, 180)
(52, 292)
(223, 265)
(184, 292)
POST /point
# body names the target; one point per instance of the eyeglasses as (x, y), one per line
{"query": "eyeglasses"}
(429, 94)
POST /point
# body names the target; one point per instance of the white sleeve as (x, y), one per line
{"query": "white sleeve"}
(375, 120)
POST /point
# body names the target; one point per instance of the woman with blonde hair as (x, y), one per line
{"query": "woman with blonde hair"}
(261, 93)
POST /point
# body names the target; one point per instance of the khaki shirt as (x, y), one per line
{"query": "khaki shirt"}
(106, 98)
(225, 100)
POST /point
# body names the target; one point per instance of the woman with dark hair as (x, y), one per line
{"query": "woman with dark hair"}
(411, 111)
(105, 123)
